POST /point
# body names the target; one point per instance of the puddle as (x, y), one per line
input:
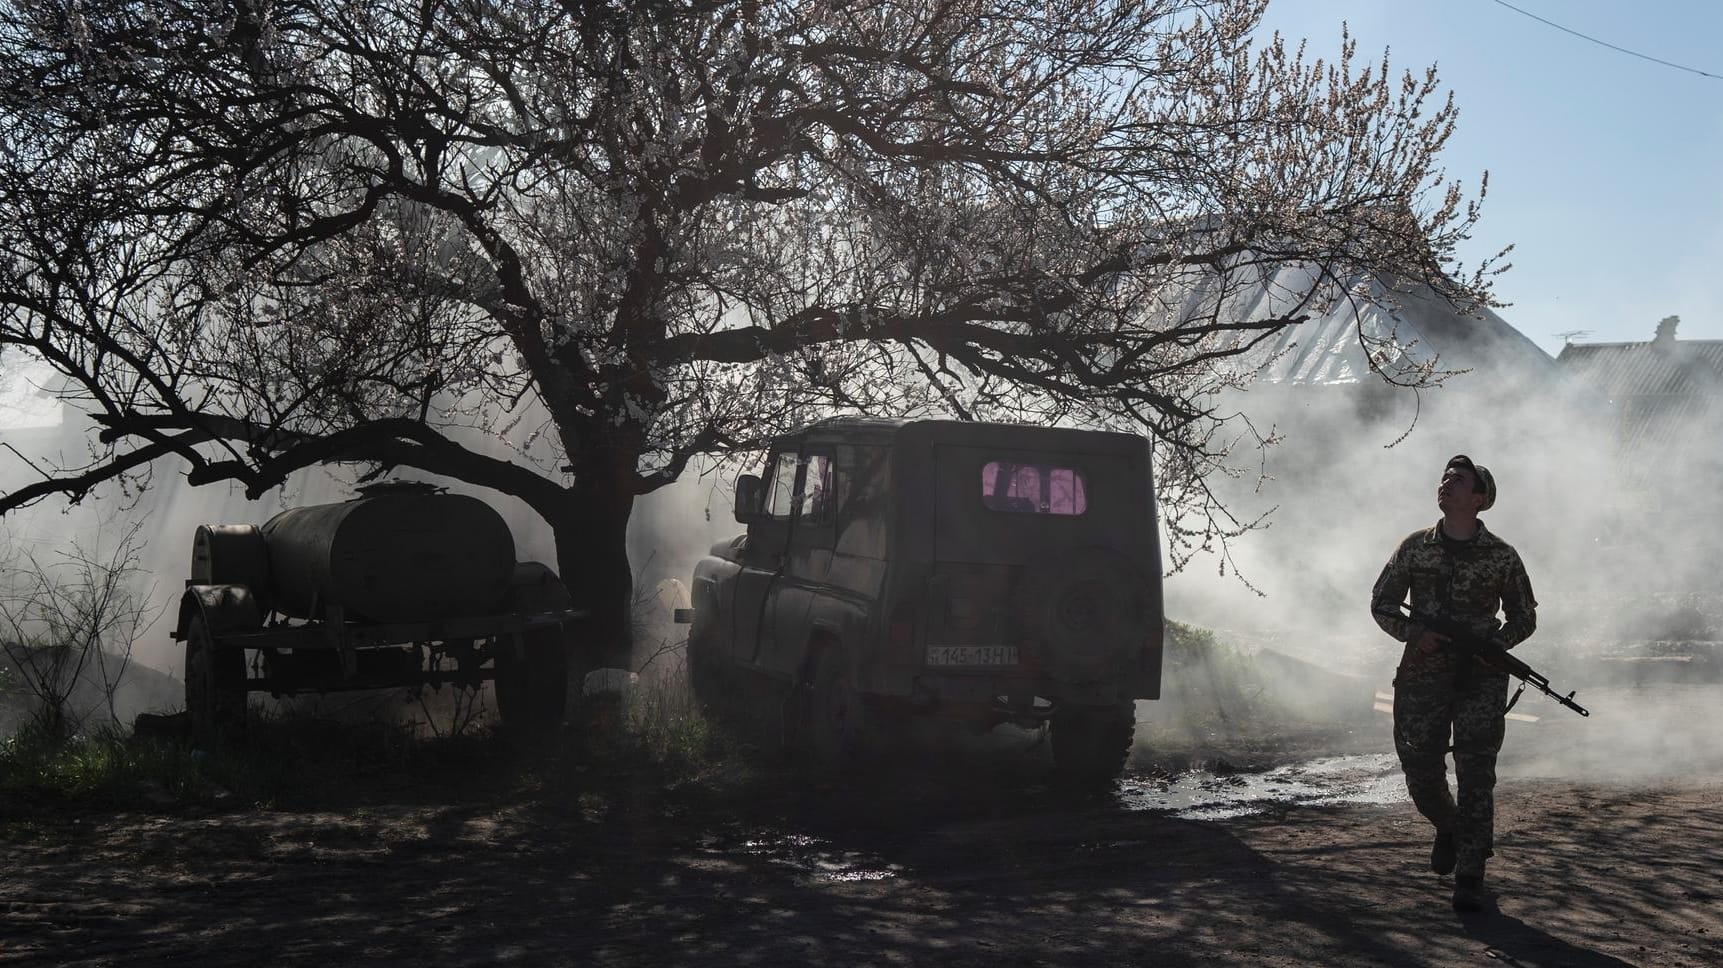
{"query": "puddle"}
(818, 858)
(1191, 795)
(1201, 795)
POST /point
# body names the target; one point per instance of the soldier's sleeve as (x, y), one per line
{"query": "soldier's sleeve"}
(1385, 599)
(1519, 606)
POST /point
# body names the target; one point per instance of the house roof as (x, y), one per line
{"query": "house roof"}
(1408, 329)
(1662, 367)
(1657, 388)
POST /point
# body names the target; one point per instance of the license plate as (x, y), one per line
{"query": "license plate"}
(971, 655)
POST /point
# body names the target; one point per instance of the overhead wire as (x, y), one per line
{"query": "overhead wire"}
(1605, 43)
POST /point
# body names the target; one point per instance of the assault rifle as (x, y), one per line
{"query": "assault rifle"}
(1463, 642)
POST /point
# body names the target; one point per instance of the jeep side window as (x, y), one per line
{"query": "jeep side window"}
(863, 500)
(1033, 488)
(819, 490)
(781, 487)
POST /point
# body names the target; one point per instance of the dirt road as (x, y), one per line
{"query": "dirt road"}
(965, 869)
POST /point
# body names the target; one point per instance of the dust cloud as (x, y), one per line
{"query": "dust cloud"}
(1616, 544)
(1618, 551)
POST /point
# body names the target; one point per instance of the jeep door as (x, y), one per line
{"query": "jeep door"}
(808, 555)
(763, 556)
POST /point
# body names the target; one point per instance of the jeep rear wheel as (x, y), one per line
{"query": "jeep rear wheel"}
(214, 684)
(1090, 745)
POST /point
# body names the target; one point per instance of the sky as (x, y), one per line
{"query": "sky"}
(1603, 166)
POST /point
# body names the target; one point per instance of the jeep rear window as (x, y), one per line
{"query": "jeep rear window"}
(1033, 488)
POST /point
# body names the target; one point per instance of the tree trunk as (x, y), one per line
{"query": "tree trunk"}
(592, 559)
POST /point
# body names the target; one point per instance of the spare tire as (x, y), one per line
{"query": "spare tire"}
(1086, 613)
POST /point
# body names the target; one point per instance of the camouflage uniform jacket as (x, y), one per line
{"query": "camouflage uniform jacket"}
(1467, 582)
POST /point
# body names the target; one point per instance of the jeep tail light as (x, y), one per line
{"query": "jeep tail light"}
(901, 633)
(1157, 638)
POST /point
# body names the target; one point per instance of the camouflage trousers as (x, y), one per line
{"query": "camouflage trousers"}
(1427, 711)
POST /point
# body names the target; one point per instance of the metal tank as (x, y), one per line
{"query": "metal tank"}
(396, 554)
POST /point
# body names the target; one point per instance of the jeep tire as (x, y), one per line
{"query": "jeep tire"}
(832, 722)
(1090, 744)
(1087, 611)
(705, 665)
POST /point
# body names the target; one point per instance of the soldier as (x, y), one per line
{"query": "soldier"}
(1460, 571)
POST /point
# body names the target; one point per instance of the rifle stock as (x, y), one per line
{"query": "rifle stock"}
(1463, 642)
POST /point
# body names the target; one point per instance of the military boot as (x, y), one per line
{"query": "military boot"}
(1442, 852)
(1468, 894)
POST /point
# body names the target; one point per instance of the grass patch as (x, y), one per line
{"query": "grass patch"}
(664, 723)
(655, 732)
(105, 768)
(654, 736)
(1208, 682)
(289, 760)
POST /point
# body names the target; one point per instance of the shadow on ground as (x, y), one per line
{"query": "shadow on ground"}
(949, 866)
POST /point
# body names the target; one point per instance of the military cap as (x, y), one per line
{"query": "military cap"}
(1486, 480)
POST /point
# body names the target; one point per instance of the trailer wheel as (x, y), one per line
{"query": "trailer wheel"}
(1090, 745)
(532, 689)
(532, 686)
(214, 684)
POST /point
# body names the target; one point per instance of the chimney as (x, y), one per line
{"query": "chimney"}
(1666, 330)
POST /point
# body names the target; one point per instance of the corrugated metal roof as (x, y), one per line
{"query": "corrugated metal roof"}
(1405, 329)
(1660, 393)
(1654, 368)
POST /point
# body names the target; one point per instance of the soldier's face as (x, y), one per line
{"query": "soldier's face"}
(1458, 490)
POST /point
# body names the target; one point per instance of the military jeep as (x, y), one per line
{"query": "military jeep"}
(987, 573)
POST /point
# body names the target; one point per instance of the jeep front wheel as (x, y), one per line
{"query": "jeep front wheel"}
(1090, 745)
(832, 718)
(705, 672)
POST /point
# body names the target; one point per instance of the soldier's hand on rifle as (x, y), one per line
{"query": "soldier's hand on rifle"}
(1429, 642)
